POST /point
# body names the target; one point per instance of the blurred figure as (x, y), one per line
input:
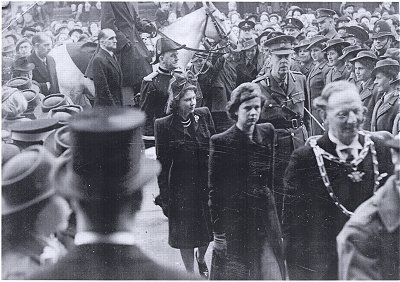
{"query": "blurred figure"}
(24, 48)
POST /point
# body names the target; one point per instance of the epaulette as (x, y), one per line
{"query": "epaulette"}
(297, 72)
(260, 78)
(150, 76)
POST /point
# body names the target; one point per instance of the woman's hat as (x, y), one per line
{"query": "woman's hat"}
(264, 33)
(53, 101)
(107, 158)
(362, 55)
(386, 65)
(20, 83)
(350, 50)
(335, 42)
(21, 41)
(317, 39)
(25, 179)
(392, 53)
(303, 43)
(358, 32)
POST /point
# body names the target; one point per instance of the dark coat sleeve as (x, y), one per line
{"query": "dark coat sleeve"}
(164, 157)
(108, 20)
(100, 78)
(147, 96)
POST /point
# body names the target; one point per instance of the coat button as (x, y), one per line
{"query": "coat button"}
(292, 134)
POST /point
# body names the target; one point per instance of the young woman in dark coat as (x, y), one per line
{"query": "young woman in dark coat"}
(182, 143)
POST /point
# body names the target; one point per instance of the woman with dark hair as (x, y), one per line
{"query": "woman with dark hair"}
(316, 78)
(333, 51)
(182, 143)
(247, 234)
(31, 214)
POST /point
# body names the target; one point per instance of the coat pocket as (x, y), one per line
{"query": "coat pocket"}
(298, 97)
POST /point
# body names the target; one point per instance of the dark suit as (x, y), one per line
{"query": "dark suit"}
(134, 57)
(42, 74)
(385, 111)
(107, 77)
(314, 220)
(241, 202)
(109, 262)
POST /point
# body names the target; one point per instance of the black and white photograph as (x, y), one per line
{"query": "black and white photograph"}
(201, 140)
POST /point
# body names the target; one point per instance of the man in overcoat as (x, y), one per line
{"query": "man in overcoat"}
(369, 243)
(106, 193)
(133, 55)
(107, 74)
(328, 179)
(45, 67)
(247, 234)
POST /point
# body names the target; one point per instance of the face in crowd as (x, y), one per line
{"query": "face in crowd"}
(325, 26)
(110, 40)
(248, 112)
(43, 48)
(304, 55)
(280, 64)
(187, 103)
(332, 56)
(382, 43)
(169, 60)
(344, 115)
(25, 49)
(382, 81)
(362, 71)
(249, 54)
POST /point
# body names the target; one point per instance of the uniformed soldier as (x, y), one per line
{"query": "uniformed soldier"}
(154, 90)
(285, 99)
(383, 37)
(246, 30)
(293, 27)
(326, 23)
(247, 69)
(266, 67)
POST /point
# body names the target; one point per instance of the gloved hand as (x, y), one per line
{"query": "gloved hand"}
(220, 244)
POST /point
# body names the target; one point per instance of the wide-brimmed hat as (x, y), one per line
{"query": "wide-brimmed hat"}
(386, 65)
(303, 43)
(382, 28)
(358, 32)
(20, 83)
(25, 179)
(165, 45)
(75, 29)
(8, 151)
(335, 42)
(107, 161)
(323, 14)
(365, 55)
(22, 64)
(293, 22)
(350, 50)
(317, 39)
(54, 101)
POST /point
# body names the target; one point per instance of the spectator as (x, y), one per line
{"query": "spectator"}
(28, 32)
(162, 14)
(24, 47)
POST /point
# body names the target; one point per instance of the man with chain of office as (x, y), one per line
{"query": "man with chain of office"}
(328, 179)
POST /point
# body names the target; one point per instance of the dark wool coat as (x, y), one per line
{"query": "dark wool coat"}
(246, 73)
(369, 244)
(314, 220)
(385, 111)
(107, 78)
(241, 202)
(43, 74)
(108, 262)
(134, 57)
(369, 97)
(183, 178)
(315, 83)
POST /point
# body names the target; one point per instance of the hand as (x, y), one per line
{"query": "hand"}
(220, 244)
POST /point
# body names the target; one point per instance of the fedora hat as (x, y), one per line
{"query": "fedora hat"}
(165, 45)
(350, 50)
(106, 160)
(317, 39)
(25, 179)
(53, 101)
(386, 65)
(335, 42)
(20, 83)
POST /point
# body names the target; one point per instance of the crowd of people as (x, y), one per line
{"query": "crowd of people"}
(282, 149)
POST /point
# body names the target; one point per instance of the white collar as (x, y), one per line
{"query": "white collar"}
(354, 146)
(116, 238)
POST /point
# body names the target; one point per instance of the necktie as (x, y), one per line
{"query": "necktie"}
(350, 156)
(283, 85)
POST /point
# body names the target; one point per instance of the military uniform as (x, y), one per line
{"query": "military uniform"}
(385, 111)
(335, 74)
(369, 97)
(154, 97)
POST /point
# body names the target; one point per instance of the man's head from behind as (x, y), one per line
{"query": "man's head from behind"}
(108, 39)
(341, 110)
(42, 44)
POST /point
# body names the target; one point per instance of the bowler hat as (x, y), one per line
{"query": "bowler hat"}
(350, 50)
(107, 161)
(335, 42)
(246, 24)
(393, 142)
(20, 83)
(165, 45)
(382, 28)
(25, 179)
(22, 64)
(293, 22)
(365, 55)
(281, 44)
(53, 101)
(317, 39)
(386, 65)
(323, 14)
(58, 141)
(358, 32)
(33, 99)
(33, 131)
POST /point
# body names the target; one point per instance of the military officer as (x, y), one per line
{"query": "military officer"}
(326, 23)
(286, 96)
(154, 90)
(246, 30)
(293, 27)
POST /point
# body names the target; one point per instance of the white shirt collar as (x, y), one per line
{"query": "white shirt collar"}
(109, 52)
(354, 146)
(116, 238)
